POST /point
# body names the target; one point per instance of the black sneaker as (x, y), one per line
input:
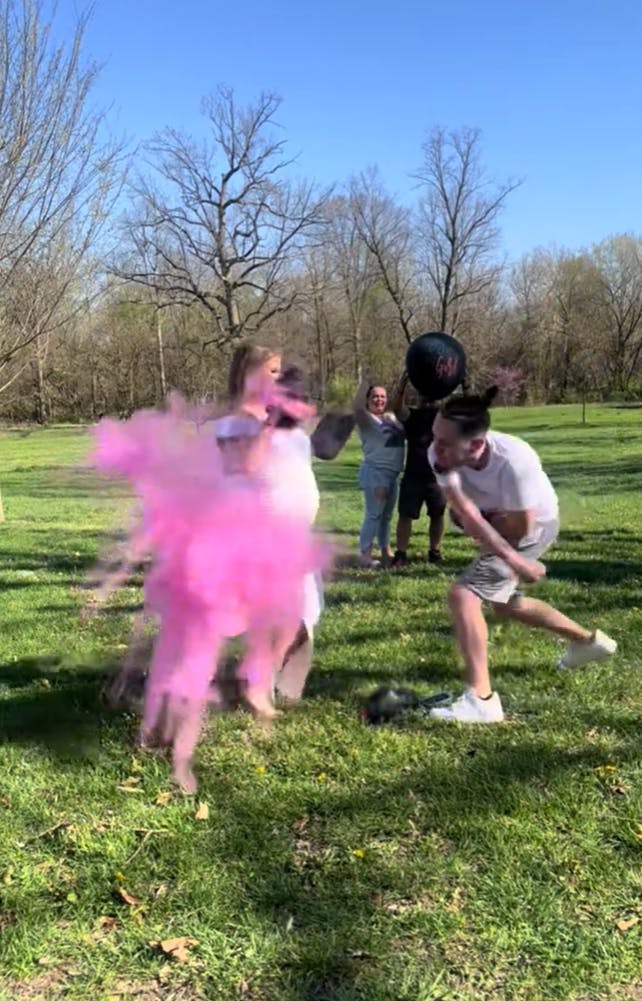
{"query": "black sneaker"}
(434, 556)
(399, 560)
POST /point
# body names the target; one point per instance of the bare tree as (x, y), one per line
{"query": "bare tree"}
(384, 227)
(458, 221)
(619, 301)
(58, 178)
(318, 312)
(356, 271)
(224, 223)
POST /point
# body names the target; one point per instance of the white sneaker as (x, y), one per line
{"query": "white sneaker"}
(600, 647)
(367, 562)
(471, 709)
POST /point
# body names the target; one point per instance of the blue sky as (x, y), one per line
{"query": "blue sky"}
(556, 89)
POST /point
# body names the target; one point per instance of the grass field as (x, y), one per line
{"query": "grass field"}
(409, 863)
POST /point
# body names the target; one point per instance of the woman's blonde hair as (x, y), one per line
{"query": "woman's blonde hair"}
(246, 359)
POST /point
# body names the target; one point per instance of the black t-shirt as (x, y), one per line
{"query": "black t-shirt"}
(418, 428)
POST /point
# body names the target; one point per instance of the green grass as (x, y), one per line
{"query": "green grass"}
(338, 862)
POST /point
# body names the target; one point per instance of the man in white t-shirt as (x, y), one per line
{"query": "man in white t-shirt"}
(499, 494)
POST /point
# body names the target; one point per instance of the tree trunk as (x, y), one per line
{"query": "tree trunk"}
(132, 388)
(161, 355)
(39, 389)
(94, 394)
(320, 352)
(358, 362)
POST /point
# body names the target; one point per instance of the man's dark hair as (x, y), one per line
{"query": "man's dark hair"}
(470, 414)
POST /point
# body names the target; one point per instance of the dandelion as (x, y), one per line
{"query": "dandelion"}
(604, 770)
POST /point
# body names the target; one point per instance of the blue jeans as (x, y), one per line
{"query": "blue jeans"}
(379, 509)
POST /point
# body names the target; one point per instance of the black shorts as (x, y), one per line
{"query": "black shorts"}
(415, 493)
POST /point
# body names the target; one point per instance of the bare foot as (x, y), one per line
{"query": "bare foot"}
(185, 778)
(261, 703)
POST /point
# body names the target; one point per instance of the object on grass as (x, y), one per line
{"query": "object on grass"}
(386, 704)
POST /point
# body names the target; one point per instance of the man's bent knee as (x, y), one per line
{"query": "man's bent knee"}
(461, 598)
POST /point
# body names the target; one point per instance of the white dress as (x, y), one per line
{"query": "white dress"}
(293, 490)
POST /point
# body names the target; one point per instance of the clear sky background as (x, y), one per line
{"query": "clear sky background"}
(555, 87)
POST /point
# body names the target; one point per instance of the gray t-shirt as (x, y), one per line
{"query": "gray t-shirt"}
(382, 440)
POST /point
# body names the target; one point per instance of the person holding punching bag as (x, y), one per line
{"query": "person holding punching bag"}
(435, 366)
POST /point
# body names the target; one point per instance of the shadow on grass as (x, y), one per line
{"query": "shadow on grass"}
(288, 873)
(591, 478)
(55, 562)
(55, 706)
(334, 904)
(604, 573)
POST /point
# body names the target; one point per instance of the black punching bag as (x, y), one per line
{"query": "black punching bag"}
(436, 365)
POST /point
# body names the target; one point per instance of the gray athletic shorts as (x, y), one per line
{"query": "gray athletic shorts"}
(492, 580)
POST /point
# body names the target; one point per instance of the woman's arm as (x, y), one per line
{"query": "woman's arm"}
(360, 404)
(401, 411)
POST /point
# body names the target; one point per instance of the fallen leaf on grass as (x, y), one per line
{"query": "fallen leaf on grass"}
(202, 812)
(625, 924)
(131, 780)
(399, 906)
(108, 922)
(127, 897)
(176, 948)
(455, 902)
(165, 973)
(104, 926)
(163, 798)
(358, 954)
(130, 784)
